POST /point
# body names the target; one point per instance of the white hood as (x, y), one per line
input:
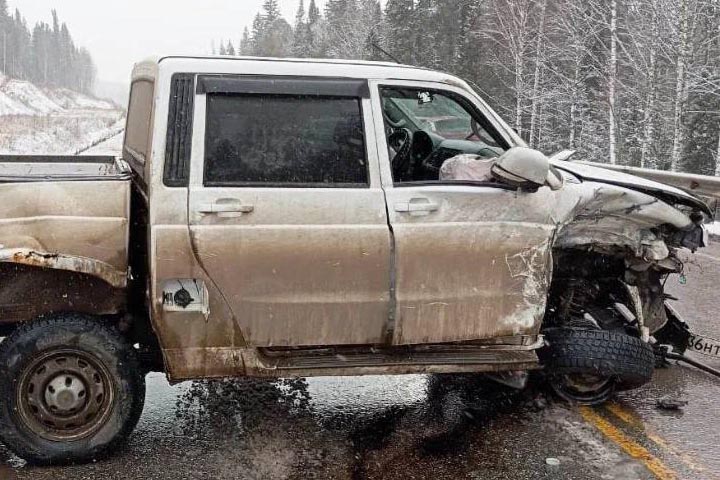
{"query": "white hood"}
(666, 193)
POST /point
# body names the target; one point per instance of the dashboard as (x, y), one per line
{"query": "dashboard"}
(429, 151)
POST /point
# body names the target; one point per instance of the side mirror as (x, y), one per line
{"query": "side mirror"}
(526, 168)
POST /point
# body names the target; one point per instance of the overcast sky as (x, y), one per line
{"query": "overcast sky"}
(120, 32)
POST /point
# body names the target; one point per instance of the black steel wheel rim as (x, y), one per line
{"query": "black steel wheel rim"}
(65, 395)
(583, 389)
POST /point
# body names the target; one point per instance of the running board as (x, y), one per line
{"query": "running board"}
(398, 359)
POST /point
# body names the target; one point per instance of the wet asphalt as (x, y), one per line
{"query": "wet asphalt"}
(417, 427)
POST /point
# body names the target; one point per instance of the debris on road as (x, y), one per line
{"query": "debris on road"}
(669, 403)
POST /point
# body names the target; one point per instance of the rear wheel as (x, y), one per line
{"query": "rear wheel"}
(71, 389)
(588, 366)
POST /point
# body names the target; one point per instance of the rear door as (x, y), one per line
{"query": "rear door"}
(472, 258)
(286, 210)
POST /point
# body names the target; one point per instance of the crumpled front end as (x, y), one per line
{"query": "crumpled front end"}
(614, 248)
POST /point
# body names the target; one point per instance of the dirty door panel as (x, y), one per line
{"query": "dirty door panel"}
(288, 218)
(477, 267)
(473, 259)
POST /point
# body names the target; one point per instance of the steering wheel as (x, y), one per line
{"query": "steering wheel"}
(400, 141)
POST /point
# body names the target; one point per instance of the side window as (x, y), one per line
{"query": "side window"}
(427, 127)
(284, 140)
(137, 134)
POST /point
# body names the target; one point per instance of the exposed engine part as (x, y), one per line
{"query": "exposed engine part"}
(693, 237)
(675, 333)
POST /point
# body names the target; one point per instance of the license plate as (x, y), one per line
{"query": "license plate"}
(704, 345)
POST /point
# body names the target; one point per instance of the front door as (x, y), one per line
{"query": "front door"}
(286, 210)
(472, 257)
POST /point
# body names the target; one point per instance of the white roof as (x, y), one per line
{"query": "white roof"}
(289, 66)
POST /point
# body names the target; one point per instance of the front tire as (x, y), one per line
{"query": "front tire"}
(71, 389)
(588, 366)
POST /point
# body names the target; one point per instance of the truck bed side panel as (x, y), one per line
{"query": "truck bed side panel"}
(76, 218)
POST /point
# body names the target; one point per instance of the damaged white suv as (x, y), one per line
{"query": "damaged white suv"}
(293, 218)
(577, 251)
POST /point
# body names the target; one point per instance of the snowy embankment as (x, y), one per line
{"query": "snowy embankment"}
(37, 120)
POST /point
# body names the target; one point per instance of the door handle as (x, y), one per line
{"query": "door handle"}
(225, 206)
(417, 206)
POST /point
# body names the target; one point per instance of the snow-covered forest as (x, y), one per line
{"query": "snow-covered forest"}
(46, 82)
(45, 56)
(635, 82)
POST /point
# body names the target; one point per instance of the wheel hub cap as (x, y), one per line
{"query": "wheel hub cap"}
(65, 395)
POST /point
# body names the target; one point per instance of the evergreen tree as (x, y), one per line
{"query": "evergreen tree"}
(67, 58)
(271, 12)
(86, 71)
(313, 13)
(376, 35)
(313, 31)
(258, 29)
(230, 50)
(6, 32)
(19, 55)
(401, 34)
(245, 43)
(47, 56)
(272, 35)
(300, 16)
(300, 33)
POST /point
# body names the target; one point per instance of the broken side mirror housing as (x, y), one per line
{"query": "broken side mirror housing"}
(526, 168)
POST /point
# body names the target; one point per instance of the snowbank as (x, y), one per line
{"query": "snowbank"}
(50, 121)
(9, 106)
(58, 134)
(18, 97)
(29, 95)
(73, 100)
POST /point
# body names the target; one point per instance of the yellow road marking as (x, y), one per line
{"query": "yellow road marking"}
(631, 419)
(624, 415)
(629, 446)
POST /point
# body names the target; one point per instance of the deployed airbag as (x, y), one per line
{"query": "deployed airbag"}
(467, 167)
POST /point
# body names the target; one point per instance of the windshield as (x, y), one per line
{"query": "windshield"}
(434, 112)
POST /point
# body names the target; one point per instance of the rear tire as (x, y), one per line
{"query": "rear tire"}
(588, 366)
(71, 389)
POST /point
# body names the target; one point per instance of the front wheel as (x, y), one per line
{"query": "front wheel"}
(71, 389)
(588, 366)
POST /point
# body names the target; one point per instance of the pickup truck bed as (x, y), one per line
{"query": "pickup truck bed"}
(36, 168)
(65, 218)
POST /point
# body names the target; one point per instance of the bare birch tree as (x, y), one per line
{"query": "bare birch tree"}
(680, 85)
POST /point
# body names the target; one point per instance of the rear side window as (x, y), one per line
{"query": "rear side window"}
(284, 140)
(137, 134)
